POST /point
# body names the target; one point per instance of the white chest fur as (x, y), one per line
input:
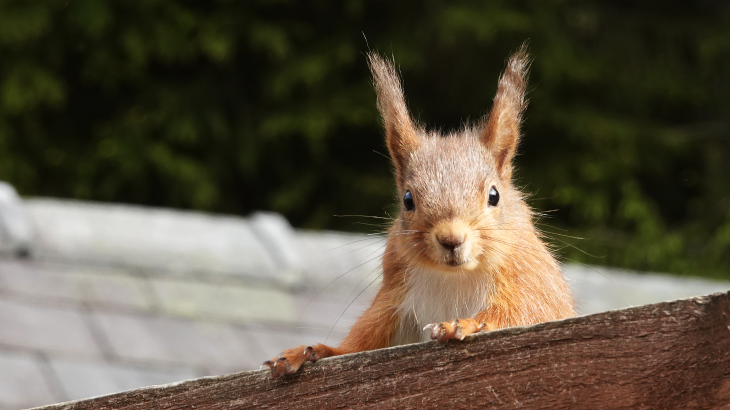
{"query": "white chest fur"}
(435, 296)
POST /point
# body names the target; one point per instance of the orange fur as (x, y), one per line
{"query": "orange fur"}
(463, 254)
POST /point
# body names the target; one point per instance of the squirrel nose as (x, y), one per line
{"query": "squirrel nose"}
(450, 242)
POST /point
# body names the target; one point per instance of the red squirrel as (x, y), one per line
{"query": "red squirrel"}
(463, 255)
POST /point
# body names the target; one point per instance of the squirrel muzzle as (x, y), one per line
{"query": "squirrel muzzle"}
(450, 245)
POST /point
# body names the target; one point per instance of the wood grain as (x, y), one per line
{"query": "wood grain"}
(661, 356)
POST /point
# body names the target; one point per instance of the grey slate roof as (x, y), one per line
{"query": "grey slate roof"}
(113, 297)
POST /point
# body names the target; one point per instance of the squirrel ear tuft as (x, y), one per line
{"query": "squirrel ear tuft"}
(501, 129)
(400, 134)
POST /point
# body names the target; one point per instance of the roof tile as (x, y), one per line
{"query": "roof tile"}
(59, 330)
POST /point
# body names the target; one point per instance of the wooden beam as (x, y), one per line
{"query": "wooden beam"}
(666, 355)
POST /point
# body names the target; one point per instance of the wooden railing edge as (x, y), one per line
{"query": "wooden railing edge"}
(661, 355)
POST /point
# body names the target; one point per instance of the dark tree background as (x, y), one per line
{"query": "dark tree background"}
(233, 106)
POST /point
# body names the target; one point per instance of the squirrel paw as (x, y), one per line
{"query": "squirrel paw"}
(457, 329)
(291, 360)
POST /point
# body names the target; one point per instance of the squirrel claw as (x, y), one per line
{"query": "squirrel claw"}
(438, 331)
(278, 366)
(310, 353)
(266, 365)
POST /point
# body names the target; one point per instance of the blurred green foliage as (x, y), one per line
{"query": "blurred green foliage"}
(232, 106)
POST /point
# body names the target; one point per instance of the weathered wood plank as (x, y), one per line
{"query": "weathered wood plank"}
(666, 355)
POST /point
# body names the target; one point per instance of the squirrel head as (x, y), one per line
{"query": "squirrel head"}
(459, 210)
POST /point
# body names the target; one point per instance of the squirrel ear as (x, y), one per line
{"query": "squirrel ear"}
(501, 129)
(400, 134)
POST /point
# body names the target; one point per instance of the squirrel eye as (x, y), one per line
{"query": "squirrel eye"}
(493, 196)
(408, 201)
